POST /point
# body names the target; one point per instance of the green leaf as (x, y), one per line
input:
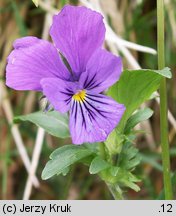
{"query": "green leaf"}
(121, 177)
(126, 178)
(129, 157)
(134, 88)
(166, 72)
(62, 158)
(53, 122)
(138, 117)
(35, 2)
(97, 165)
(94, 147)
(114, 142)
(65, 171)
(129, 180)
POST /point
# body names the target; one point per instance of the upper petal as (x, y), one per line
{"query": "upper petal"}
(93, 119)
(31, 60)
(58, 92)
(102, 71)
(77, 32)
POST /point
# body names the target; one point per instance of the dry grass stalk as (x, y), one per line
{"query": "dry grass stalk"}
(40, 133)
(7, 107)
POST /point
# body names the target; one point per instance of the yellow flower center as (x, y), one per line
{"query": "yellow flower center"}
(80, 96)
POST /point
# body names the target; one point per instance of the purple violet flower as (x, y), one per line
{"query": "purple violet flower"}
(34, 64)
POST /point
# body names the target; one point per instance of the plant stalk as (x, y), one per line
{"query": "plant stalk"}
(113, 188)
(163, 103)
(115, 191)
(102, 150)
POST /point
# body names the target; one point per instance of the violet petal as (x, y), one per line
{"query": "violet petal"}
(102, 71)
(58, 92)
(77, 32)
(93, 119)
(30, 61)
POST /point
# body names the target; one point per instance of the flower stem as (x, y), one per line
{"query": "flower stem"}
(115, 191)
(163, 103)
(113, 188)
(102, 150)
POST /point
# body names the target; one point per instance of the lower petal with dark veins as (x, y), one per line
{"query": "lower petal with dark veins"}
(92, 119)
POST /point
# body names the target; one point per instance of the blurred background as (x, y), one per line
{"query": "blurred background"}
(131, 33)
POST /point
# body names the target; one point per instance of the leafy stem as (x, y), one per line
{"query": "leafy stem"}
(115, 191)
(113, 188)
(102, 150)
(163, 103)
